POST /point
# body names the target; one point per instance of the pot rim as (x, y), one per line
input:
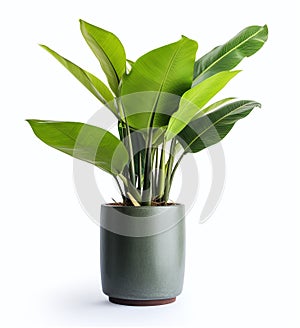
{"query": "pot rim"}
(140, 207)
(140, 221)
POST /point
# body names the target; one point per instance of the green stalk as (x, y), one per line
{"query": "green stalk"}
(146, 196)
(162, 171)
(169, 171)
(121, 131)
(130, 187)
(123, 134)
(130, 148)
(120, 189)
(140, 172)
(176, 166)
(155, 173)
(131, 156)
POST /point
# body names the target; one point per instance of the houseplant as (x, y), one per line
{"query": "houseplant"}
(161, 105)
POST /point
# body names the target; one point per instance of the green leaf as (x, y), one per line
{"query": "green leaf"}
(85, 142)
(227, 56)
(212, 128)
(194, 99)
(156, 82)
(109, 51)
(91, 82)
(212, 107)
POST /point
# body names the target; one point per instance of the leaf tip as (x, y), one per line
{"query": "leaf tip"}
(266, 29)
(45, 47)
(186, 39)
(254, 103)
(82, 22)
(235, 72)
(30, 122)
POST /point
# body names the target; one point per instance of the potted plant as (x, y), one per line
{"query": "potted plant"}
(162, 107)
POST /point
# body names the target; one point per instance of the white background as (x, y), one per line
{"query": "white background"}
(242, 265)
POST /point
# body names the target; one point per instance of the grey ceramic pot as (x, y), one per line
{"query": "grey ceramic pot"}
(142, 253)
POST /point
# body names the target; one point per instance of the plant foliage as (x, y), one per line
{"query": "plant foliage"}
(162, 108)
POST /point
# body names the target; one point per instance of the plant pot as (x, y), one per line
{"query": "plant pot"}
(142, 253)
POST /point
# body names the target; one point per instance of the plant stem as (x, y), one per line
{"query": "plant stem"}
(120, 189)
(131, 155)
(130, 187)
(140, 171)
(146, 195)
(133, 200)
(129, 141)
(169, 171)
(154, 172)
(162, 171)
(176, 166)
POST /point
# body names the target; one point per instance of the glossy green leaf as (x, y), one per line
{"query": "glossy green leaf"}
(91, 82)
(212, 107)
(212, 128)
(85, 142)
(195, 99)
(156, 81)
(109, 51)
(229, 55)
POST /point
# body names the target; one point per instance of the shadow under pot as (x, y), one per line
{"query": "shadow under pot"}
(142, 253)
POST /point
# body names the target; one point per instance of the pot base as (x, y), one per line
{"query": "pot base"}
(141, 302)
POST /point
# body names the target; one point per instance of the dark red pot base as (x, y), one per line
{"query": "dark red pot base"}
(141, 302)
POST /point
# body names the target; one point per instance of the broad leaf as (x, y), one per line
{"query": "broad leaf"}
(195, 99)
(156, 82)
(85, 142)
(109, 51)
(212, 128)
(212, 107)
(227, 56)
(91, 82)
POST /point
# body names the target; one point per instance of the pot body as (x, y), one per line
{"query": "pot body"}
(142, 252)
